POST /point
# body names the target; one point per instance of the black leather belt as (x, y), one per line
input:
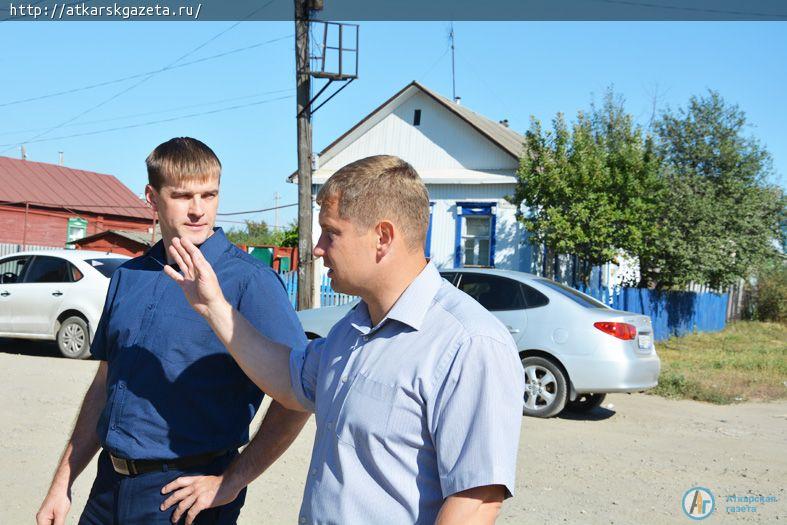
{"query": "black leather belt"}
(133, 467)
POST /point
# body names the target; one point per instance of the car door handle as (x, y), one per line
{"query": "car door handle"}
(5, 294)
(512, 330)
(57, 293)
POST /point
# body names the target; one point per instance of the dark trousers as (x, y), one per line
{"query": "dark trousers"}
(116, 499)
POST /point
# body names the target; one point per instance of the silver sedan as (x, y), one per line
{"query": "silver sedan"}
(574, 349)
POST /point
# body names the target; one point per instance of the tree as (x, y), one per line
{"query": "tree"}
(258, 233)
(720, 216)
(289, 236)
(591, 190)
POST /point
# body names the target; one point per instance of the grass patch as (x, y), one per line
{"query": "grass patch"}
(747, 361)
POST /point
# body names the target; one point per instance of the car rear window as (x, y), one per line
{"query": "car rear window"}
(578, 297)
(106, 266)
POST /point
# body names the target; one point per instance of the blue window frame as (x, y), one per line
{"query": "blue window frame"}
(474, 243)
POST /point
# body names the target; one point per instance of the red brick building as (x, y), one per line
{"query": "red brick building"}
(48, 205)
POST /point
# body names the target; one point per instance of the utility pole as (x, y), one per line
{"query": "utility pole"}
(347, 72)
(303, 85)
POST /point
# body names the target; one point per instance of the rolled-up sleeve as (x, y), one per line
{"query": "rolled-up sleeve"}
(264, 303)
(477, 416)
(304, 366)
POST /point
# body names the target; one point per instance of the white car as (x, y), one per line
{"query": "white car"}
(55, 295)
(574, 349)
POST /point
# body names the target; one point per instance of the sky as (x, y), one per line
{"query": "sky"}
(242, 103)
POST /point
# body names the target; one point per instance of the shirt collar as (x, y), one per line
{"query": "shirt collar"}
(410, 308)
(211, 249)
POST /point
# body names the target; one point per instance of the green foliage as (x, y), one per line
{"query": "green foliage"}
(719, 216)
(694, 204)
(258, 233)
(289, 237)
(591, 189)
(768, 296)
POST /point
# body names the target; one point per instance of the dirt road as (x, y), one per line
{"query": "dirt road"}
(630, 462)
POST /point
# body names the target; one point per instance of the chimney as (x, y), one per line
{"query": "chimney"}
(24, 153)
(458, 101)
(504, 122)
(60, 155)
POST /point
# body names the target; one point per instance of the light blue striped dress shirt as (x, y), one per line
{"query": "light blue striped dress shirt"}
(423, 405)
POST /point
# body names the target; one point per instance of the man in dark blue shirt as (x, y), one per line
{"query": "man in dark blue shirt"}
(168, 402)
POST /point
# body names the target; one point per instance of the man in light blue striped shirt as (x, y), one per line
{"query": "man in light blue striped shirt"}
(417, 391)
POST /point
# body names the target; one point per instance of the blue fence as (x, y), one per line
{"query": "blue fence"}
(327, 296)
(672, 313)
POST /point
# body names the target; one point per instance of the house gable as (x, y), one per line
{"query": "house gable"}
(441, 141)
(449, 144)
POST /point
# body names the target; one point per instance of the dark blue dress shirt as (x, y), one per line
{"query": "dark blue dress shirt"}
(173, 390)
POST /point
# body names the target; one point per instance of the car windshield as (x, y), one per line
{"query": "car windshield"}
(106, 266)
(578, 297)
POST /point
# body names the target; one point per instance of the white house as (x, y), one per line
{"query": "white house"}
(468, 163)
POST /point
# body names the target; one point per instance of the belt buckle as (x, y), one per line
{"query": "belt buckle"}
(121, 466)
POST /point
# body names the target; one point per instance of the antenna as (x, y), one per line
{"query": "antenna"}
(453, 66)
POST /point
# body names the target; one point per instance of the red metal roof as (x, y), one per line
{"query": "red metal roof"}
(60, 187)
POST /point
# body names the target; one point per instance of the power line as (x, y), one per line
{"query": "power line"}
(138, 75)
(169, 110)
(257, 211)
(149, 123)
(145, 79)
(694, 9)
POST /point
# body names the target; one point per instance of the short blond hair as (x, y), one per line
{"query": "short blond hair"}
(381, 187)
(182, 159)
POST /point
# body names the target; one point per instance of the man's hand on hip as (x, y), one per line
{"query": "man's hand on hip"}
(54, 508)
(193, 494)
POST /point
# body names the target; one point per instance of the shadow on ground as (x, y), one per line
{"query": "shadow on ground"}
(30, 348)
(597, 414)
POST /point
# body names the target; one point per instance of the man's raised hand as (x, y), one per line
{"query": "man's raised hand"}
(196, 277)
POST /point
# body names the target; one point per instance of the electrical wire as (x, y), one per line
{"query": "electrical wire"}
(256, 211)
(695, 9)
(138, 75)
(142, 81)
(143, 124)
(168, 110)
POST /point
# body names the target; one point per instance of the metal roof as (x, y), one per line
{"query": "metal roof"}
(52, 186)
(141, 237)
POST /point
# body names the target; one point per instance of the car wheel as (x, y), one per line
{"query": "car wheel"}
(73, 338)
(545, 387)
(585, 402)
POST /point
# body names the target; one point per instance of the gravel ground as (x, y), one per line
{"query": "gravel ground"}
(629, 461)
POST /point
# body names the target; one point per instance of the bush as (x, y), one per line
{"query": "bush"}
(768, 298)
